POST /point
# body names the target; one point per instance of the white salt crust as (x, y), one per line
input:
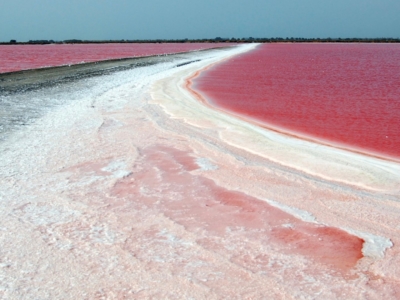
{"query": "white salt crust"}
(374, 246)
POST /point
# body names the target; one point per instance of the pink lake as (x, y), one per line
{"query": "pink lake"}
(24, 57)
(345, 95)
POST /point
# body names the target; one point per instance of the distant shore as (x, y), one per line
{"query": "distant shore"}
(32, 79)
(213, 40)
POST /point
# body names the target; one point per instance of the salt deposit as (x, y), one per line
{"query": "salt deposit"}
(143, 191)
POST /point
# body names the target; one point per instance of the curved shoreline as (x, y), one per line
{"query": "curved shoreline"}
(202, 96)
(358, 162)
(290, 134)
(371, 182)
(316, 159)
(147, 192)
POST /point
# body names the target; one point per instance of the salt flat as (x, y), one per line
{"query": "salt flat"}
(141, 190)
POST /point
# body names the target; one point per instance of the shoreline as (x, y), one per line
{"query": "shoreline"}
(353, 167)
(354, 160)
(155, 195)
(22, 100)
(110, 58)
(202, 95)
(290, 134)
(29, 79)
(297, 147)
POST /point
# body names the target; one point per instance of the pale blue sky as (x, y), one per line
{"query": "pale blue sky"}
(176, 19)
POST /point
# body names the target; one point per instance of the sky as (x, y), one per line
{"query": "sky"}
(25, 20)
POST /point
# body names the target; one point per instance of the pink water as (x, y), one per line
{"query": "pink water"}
(23, 57)
(347, 95)
(203, 205)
